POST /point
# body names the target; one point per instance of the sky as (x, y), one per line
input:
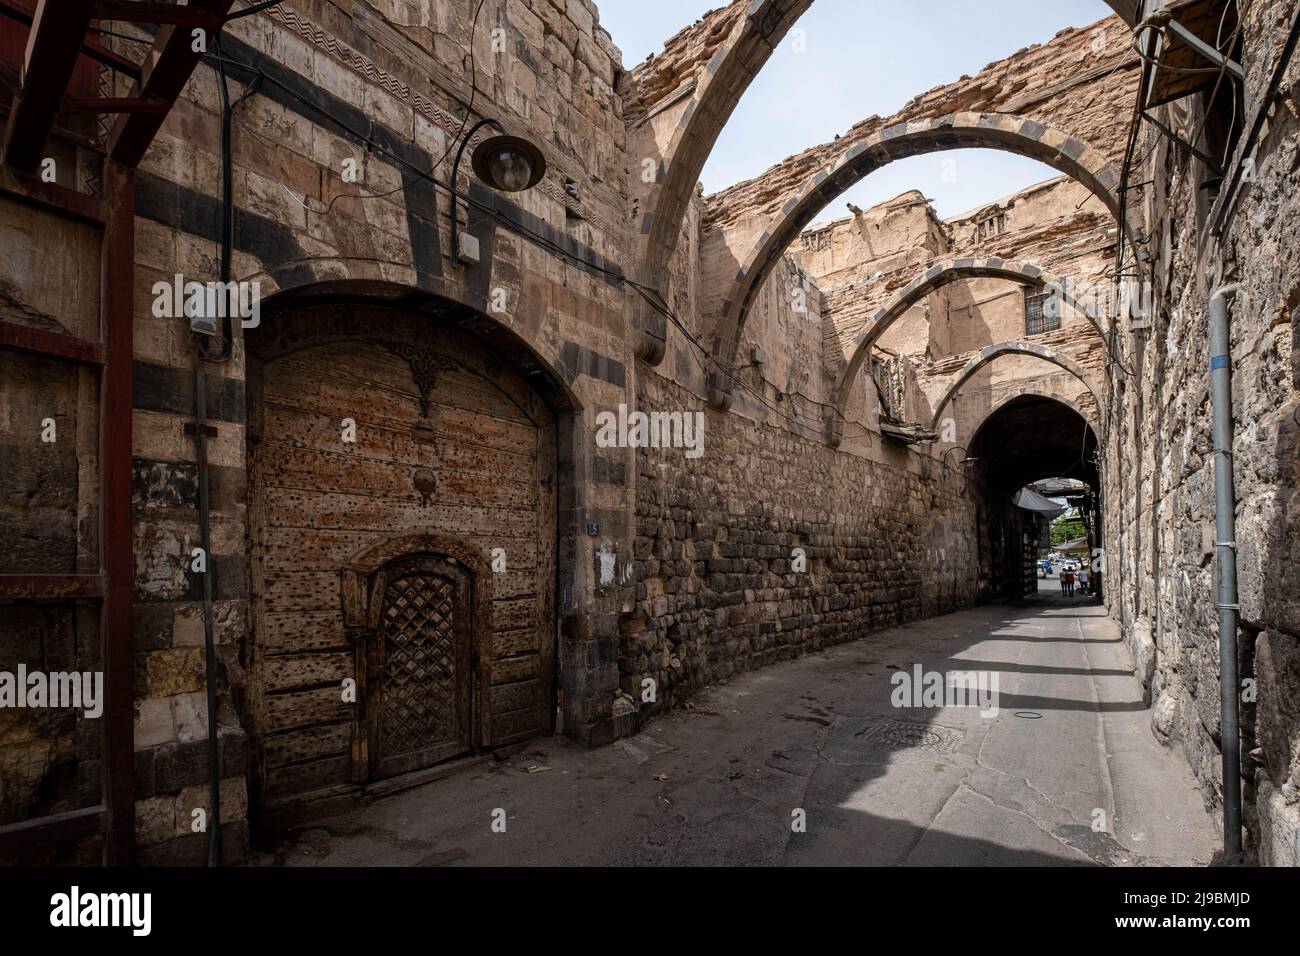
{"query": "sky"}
(864, 57)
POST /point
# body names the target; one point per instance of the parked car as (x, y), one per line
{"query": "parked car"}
(1045, 568)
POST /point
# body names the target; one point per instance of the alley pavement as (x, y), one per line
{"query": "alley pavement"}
(810, 763)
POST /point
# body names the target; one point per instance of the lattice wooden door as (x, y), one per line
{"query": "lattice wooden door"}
(421, 675)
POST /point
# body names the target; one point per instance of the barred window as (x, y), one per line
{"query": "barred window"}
(1038, 316)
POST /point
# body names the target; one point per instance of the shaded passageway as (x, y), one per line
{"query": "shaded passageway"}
(1024, 440)
(1066, 772)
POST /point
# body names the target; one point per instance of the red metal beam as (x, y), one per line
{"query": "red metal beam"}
(51, 587)
(51, 197)
(114, 104)
(21, 10)
(26, 338)
(167, 69)
(117, 553)
(53, 45)
(143, 11)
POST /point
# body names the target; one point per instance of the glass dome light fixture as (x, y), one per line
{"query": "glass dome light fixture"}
(505, 163)
(508, 164)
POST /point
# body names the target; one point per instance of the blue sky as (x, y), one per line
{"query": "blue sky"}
(864, 57)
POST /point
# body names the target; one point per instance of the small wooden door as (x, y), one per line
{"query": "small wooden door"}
(420, 662)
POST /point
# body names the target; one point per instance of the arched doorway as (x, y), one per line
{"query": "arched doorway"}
(1023, 440)
(403, 482)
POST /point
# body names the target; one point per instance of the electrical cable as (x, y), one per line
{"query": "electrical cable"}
(255, 8)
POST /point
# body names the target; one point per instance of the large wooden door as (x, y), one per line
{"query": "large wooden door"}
(369, 426)
(421, 666)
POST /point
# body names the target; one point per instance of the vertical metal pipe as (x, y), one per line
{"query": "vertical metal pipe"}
(117, 330)
(209, 643)
(1225, 543)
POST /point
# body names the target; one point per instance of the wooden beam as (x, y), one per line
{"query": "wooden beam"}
(51, 587)
(167, 69)
(53, 44)
(117, 545)
(26, 338)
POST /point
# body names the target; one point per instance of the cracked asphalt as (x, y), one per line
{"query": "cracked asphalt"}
(1066, 773)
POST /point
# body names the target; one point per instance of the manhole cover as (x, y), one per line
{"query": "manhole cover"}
(908, 734)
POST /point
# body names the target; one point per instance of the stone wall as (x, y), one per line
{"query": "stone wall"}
(1160, 472)
(717, 593)
(382, 89)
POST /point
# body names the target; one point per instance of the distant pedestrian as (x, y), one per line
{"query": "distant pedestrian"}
(1083, 580)
(1069, 582)
(1062, 577)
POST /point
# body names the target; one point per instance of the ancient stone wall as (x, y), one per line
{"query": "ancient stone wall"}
(678, 568)
(718, 590)
(341, 186)
(1160, 473)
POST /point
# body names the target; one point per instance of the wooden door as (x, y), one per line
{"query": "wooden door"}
(451, 445)
(420, 685)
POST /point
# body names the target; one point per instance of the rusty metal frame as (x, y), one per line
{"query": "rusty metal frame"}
(22, 10)
(167, 69)
(55, 43)
(113, 587)
(117, 310)
(196, 14)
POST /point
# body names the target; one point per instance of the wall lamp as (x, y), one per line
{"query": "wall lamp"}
(506, 163)
(943, 459)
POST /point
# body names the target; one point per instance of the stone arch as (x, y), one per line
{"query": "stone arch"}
(1092, 415)
(1015, 347)
(1002, 131)
(718, 89)
(940, 274)
(535, 359)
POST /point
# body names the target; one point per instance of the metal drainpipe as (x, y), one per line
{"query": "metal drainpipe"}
(201, 430)
(209, 648)
(1225, 543)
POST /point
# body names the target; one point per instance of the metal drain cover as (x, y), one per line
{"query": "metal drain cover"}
(909, 734)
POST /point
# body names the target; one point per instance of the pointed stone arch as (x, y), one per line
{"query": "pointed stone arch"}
(1013, 347)
(1002, 131)
(940, 274)
(718, 89)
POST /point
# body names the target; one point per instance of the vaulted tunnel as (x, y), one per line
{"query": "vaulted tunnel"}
(1027, 439)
